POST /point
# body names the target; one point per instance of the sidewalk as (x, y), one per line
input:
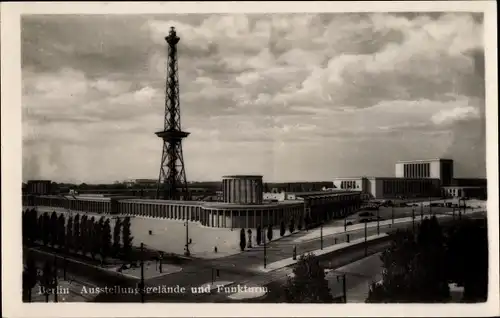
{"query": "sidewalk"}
(151, 270)
(332, 230)
(290, 261)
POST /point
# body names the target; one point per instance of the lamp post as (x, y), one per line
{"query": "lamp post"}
(366, 242)
(392, 214)
(186, 251)
(344, 287)
(413, 218)
(55, 278)
(141, 284)
(430, 207)
(321, 231)
(68, 204)
(265, 256)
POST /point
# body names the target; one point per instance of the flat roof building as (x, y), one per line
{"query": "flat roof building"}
(439, 168)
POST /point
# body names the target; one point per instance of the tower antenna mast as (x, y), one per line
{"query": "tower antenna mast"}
(172, 184)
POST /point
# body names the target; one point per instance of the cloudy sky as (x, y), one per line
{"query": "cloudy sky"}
(292, 97)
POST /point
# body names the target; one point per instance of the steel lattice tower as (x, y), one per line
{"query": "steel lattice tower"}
(172, 184)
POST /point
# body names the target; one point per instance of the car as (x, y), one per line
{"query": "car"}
(365, 220)
(365, 214)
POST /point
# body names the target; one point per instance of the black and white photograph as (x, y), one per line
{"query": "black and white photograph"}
(255, 158)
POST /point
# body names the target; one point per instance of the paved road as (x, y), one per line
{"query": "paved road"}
(359, 276)
(238, 268)
(194, 276)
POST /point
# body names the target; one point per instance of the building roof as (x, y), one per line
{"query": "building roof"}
(323, 193)
(423, 160)
(218, 205)
(238, 176)
(384, 178)
(266, 205)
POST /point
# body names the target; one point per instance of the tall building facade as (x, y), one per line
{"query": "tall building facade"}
(441, 169)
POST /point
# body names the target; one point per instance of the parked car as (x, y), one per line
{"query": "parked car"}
(365, 220)
(366, 214)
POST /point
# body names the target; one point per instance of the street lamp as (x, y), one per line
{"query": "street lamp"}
(264, 238)
(69, 204)
(321, 231)
(186, 251)
(55, 278)
(430, 207)
(366, 246)
(392, 213)
(141, 284)
(413, 218)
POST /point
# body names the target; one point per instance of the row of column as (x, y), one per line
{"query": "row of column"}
(77, 205)
(244, 190)
(417, 170)
(249, 218)
(176, 212)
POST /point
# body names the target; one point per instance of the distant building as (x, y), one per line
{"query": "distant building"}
(243, 205)
(441, 169)
(390, 187)
(141, 182)
(39, 187)
(416, 178)
(278, 196)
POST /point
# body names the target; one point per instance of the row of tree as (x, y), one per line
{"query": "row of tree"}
(80, 234)
(247, 242)
(418, 267)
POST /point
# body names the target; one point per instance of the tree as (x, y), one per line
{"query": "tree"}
(127, 237)
(116, 236)
(45, 228)
(29, 278)
(24, 227)
(76, 233)
(69, 234)
(291, 227)
(92, 237)
(97, 242)
(242, 240)
(105, 240)
(282, 228)
(309, 284)
(84, 237)
(467, 258)
(61, 231)
(33, 228)
(258, 237)
(249, 243)
(53, 229)
(47, 281)
(269, 232)
(414, 268)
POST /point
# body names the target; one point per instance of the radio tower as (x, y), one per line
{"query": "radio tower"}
(172, 183)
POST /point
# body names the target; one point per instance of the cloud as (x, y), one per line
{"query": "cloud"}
(340, 94)
(456, 114)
